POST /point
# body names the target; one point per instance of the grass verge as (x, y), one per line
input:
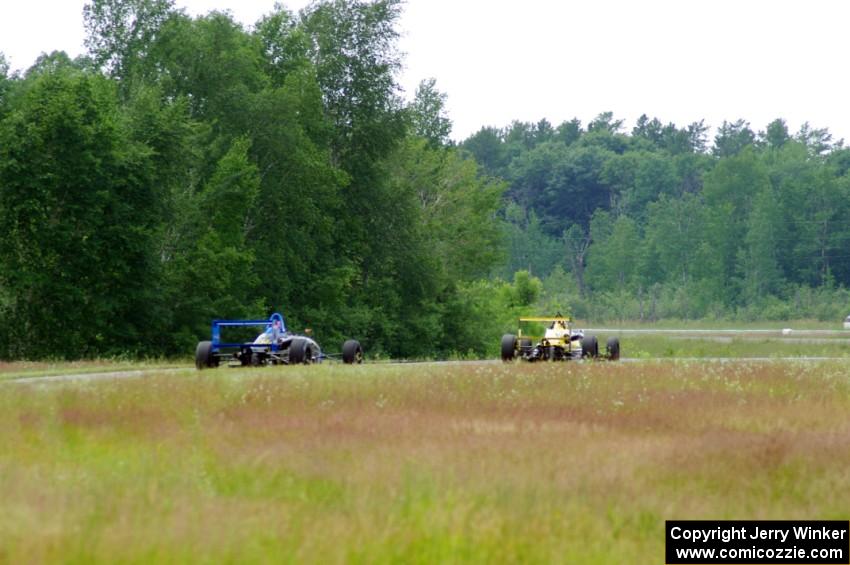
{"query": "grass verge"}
(659, 346)
(477, 462)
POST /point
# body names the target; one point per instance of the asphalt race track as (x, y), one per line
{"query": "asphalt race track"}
(86, 378)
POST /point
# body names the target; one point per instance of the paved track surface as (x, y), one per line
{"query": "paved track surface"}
(87, 378)
(844, 340)
(781, 335)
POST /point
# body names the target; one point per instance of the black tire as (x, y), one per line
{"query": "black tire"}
(589, 347)
(204, 357)
(525, 344)
(352, 353)
(256, 359)
(613, 347)
(297, 351)
(509, 344)
(245, 356)
(300, 351)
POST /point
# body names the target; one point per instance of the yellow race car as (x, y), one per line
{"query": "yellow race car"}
(560, 342)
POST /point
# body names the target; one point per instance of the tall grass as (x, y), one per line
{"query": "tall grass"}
(423, 463)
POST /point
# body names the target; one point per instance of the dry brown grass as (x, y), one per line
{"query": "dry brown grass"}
(423, 463)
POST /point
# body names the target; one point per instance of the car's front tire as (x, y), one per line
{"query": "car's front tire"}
(204, 356)
(352, 353)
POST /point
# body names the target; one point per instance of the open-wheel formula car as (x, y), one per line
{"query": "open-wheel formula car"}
(560, 342)
(274, 346)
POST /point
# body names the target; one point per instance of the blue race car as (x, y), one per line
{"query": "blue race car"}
(274, 346)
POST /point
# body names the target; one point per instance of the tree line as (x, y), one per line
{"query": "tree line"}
(658, 222)
(187, 168)
(190, 168)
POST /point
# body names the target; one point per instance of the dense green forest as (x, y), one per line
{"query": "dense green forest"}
(189, 168)
(660, 223)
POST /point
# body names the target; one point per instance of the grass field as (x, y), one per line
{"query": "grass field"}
(706, 324)
(689, 346)
(472, 462)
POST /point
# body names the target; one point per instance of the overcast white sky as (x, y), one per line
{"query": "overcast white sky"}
(500, 60)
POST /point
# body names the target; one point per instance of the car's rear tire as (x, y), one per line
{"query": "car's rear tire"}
(509, 344)
(613, 347)
(352, 353)
(589, 347)
(300, 352)
(525, 344)
(204, 356)
(245, 356)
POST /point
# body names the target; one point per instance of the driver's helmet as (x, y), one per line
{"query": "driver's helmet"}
(277, 322)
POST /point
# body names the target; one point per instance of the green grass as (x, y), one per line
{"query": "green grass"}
(663, 346)
(704, 324)
(474, 462)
